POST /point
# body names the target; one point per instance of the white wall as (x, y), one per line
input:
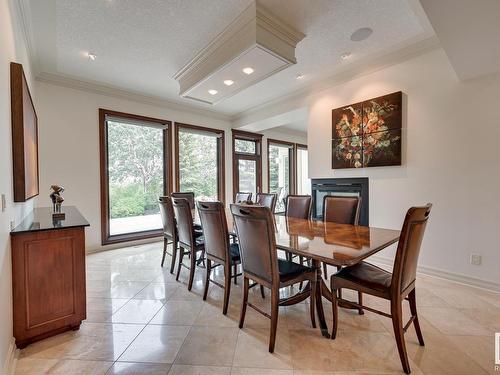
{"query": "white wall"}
(12, 48)
(450, 158)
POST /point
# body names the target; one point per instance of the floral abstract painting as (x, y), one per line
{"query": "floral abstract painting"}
(368, 134)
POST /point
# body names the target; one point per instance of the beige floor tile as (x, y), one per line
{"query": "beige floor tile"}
(452, 321)
(213, 346)
(480, 349)
(137, 311)
(122, 289)
(99, 310)
(252, 349)
(130, 368)
(178, 313)
(199, 370)
(159, 291)
(259, 371)
(94, 341)
(156, 344)
(34, 366)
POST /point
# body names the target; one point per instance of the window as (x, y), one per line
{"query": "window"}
(247, 162)
(135, 171)
(303, 181)
(199, 163)
(280, 172)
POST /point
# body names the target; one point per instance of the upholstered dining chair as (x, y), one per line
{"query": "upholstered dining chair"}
(395, 287)
(190, 242)
(267, 200)
(189, 195)
(342, 210)
(243, 197)
(169, 230)
(217, 247)
(298, 206)
(259, 259)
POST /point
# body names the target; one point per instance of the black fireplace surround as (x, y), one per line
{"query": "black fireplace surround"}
(341, 187)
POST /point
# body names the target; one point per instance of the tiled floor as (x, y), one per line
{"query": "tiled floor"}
(141, 321)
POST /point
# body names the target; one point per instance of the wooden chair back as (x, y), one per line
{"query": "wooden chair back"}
(184, 219)
(215, 232)
(255, 228)
(298, 206)
(167, 215)
(267, 200)
(189, 195)
(243, 197)
(341, 210)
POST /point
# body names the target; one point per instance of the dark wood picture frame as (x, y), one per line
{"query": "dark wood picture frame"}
(24, 137)
(106, 237)
(221, 156)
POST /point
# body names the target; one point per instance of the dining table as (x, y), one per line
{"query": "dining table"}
(338, 245)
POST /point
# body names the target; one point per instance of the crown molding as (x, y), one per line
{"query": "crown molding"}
(23, 11)
(115, 92)
(359, 69)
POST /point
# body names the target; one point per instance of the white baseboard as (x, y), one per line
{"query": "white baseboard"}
(9, 367)
(442, 274)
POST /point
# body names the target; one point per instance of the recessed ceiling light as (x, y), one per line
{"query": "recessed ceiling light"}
(248, 70)
(228, 82)
(299, 76)
(212, 92)
(361, 34)
(92, 56)
(345, 55)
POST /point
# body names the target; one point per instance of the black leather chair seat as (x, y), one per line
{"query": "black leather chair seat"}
(289, 270)
(366, 275)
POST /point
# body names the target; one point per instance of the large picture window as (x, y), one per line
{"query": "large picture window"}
(280, 159)
(199, 161)
(247, 163)
(135, 171)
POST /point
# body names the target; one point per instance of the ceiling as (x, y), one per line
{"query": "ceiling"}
(141, 44)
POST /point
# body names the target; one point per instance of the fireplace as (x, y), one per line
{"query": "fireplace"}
(357, 187)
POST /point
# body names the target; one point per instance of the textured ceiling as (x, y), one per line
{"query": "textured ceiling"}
(141, 44)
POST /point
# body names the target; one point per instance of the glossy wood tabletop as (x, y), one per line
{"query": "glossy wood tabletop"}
(335, 244)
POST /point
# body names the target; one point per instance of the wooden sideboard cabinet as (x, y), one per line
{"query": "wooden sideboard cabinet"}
(48, 274)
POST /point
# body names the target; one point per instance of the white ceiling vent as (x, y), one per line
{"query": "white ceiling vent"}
(253, 47)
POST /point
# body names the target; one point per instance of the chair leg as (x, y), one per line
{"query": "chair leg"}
(335, 310)
(235, 271)
(360, 302)
(397, 323)
(174, 255)
(262, 293)
(274, 318)
(227, 287)
(413, 308)
(207, 278)
(301, 261)
(192, 268)
(245, 301)
(312, 302)
(325, 271)
(181, 256)
(165, 243)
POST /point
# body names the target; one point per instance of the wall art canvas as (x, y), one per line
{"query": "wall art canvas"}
(368, 133)
(24, 137)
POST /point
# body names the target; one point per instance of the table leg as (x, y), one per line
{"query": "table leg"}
(320, 286)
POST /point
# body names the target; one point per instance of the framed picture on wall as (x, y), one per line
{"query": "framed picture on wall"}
(24, 136)
(368, 133)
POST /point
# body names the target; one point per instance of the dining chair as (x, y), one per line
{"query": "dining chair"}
(267, 200)
(169, 230)
(190, 242)
(243, 197)
(189, 195)
(342, 210)
(298, 206)
(395, 287)
(218, 249)
(259, 259)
